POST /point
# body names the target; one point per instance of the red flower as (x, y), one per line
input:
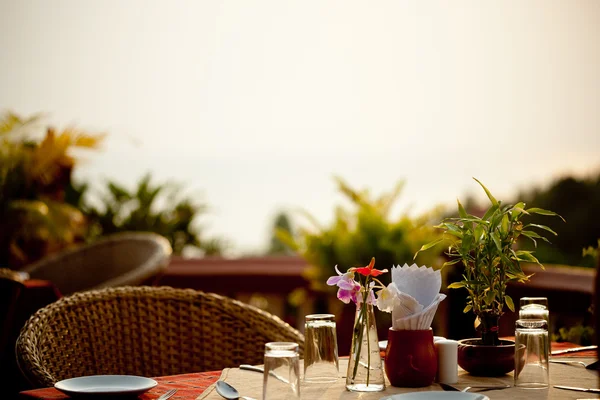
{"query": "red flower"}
(369, 270)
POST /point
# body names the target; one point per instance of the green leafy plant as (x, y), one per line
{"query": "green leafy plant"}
(486, 248)
(158, 208)
(359, 232)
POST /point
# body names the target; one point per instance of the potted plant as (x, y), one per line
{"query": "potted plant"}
(486, 248)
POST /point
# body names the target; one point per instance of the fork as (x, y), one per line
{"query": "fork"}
(452, 388)
(167, 395)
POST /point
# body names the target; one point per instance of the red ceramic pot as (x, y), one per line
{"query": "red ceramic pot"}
(410, 358)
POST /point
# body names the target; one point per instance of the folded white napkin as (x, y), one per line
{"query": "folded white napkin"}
(416, 296)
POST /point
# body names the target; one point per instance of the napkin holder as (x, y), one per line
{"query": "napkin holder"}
(410, 358)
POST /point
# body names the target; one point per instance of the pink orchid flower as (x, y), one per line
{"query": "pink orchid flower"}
(349, 289)
(343, 281)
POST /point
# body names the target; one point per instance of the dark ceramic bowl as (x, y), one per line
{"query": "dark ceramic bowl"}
(481, 360)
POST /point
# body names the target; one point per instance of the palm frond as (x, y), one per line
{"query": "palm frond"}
(9, 122)
(52, 154)
(387, 200)
(12, 124)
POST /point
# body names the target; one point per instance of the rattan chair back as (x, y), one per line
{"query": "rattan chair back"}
(117, 260)
(146, 331)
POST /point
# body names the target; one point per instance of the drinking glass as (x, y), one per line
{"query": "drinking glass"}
(321, 364)
(539, 301)
(282, 371)
(534, 308)
(532, 351)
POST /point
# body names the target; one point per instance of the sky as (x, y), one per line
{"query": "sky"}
(254, 106)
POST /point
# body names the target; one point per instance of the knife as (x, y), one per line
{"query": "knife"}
(447, 387)
(595, 365)
(578, 389)
(574, 350)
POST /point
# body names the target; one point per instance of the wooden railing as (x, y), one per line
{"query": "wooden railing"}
(267, 282)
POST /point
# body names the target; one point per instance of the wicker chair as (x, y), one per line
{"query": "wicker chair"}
(116, 260)
(147, 331)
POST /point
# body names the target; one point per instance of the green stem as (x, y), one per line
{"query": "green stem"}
(489, 331)
(358, 339)
(367, 328)
(357, 342)
(378, 281)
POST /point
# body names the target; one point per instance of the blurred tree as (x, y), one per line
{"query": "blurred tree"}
(367, 230)
(34, 174)
(154, 208)
(578, 201)
(282, 224)
(593, 253)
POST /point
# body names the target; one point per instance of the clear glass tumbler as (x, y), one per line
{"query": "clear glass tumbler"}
(535, 308)
(282, 371)
(532, 350)
(321, 364)
(538, 301)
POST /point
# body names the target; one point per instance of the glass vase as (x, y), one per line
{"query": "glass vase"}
(365, 368)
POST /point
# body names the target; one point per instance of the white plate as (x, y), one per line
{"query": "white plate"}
(436, 396)
(106, 385)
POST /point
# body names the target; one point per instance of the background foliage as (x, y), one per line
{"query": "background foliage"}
(34, 172)
(158, 208)
(43, 211)
(578, 201)
(281, 224)
(363, 230)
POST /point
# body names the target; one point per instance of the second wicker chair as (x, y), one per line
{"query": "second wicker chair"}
(147, 331)
(127, 258)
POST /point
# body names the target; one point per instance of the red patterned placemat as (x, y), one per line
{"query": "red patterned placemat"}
(189, 386)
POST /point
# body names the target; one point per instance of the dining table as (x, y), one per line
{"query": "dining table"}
(201, 385)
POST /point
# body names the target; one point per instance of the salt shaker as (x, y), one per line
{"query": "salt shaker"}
(447, 361)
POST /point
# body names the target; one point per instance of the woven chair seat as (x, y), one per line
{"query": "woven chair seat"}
(146, 331)
(121, 259)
